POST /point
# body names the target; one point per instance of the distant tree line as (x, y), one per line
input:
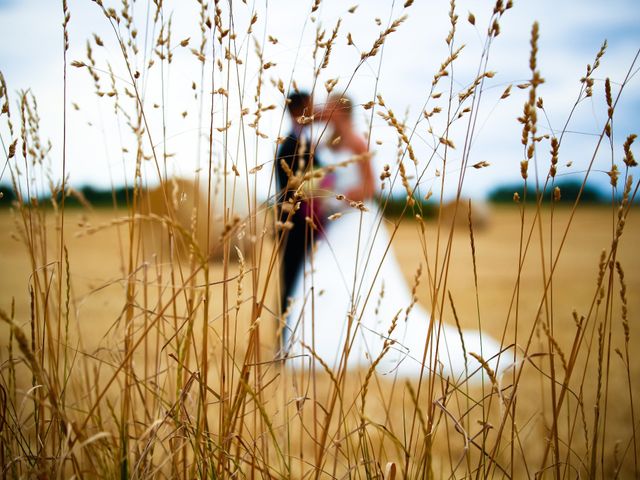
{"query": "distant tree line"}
(394, 207)
(95, 197)
(569, 190)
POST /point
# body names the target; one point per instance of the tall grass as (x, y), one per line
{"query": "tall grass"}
(187, 377)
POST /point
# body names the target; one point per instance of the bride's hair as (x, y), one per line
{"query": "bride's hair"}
(342, 102)
(339, 105)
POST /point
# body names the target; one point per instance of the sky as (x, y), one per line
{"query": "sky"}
(570, 35)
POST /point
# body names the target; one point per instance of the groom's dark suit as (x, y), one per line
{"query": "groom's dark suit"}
(294, 242)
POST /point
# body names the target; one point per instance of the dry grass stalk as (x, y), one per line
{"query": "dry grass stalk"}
(487, 368)
(382, 38)
(459, 328)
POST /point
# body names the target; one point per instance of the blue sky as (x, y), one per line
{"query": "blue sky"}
(571, 33)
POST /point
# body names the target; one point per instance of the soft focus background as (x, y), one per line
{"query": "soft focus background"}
(570, 35)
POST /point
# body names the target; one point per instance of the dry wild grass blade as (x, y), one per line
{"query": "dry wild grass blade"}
(563, 391)
(41, 376)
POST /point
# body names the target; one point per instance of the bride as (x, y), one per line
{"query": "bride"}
(351, 306)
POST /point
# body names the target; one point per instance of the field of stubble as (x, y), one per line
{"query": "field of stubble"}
(97, 263)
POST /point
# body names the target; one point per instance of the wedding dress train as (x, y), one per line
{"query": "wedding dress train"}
(352, 290)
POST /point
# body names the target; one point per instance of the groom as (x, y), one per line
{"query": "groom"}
(295, 154)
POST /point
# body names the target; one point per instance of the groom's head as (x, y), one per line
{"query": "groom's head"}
(299, 104)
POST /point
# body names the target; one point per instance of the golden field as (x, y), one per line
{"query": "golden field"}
(131, 350)
(97, 262)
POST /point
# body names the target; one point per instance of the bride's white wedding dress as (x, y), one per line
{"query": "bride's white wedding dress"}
(351, 290)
